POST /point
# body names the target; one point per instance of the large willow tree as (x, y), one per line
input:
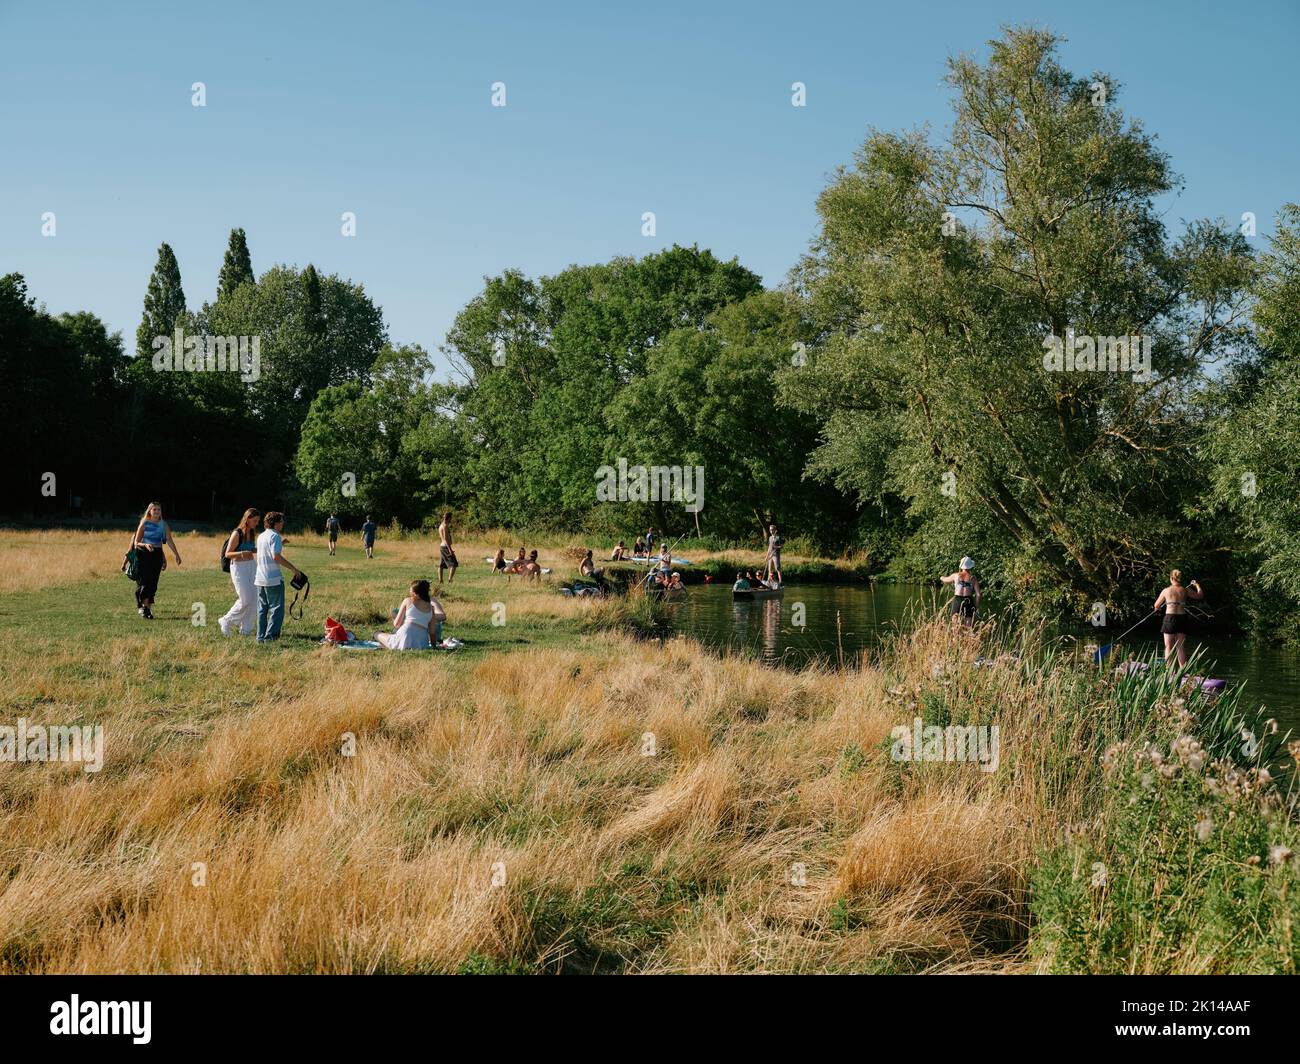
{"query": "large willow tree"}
(938, 275)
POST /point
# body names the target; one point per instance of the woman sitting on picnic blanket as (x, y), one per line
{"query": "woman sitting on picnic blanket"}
(418, 623)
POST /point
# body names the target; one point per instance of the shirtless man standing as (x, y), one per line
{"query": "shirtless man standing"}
(1174, 627)
(448, 556)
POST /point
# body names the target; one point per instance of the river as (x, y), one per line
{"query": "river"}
(766, 630)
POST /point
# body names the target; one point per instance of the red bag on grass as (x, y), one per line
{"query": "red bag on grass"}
(334, 631)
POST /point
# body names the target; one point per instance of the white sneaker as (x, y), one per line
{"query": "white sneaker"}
(224, 625)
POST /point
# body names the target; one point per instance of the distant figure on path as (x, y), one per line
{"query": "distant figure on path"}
(151, 535)
(332, 530)
(1174, 626)
(269, 579)
(241, 549)
(447, 559)
(965, 592)
(368, 531)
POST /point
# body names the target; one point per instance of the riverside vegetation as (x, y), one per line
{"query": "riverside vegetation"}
(561, 796)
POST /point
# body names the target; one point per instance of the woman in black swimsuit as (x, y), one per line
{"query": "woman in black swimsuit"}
(1174, 627)
(965, 592)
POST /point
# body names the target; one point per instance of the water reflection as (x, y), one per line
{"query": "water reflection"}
(856, 618)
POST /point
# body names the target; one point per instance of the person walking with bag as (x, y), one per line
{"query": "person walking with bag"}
(151, 536)
(239, 558)
(269, 580)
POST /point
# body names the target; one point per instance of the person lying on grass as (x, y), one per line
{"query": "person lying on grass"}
(418, 624)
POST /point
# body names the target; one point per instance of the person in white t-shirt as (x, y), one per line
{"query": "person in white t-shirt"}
(269, 581)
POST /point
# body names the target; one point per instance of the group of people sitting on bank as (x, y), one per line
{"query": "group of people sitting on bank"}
(523, 564)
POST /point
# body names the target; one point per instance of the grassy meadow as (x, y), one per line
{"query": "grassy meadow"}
(559, 796)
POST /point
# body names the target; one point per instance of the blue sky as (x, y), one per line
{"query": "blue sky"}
(384, 109)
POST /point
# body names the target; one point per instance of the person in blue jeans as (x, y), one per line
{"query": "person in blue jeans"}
(269, 581)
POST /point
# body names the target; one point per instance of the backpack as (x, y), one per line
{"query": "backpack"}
(225, 562)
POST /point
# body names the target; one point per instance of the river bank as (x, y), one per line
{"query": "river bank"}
(562, 798)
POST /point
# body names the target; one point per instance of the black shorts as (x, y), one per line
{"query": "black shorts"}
(963, 606)
(448, 560)
(1174, 624)
(334, 537)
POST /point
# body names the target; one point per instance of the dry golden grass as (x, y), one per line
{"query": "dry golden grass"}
(503, 813)
(384, 860)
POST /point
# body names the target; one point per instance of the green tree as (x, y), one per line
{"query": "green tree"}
(707, 399)
(1254, 446)
(164, 301)
(939, 276)
(312, 333)
(393, 440)
(543, 360)
(237, 267)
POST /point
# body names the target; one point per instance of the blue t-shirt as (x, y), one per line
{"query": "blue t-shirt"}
(368, 531)
(154, 533)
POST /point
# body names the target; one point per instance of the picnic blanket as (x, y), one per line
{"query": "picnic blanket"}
(371, 644)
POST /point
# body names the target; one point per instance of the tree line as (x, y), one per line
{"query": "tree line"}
(902, 394)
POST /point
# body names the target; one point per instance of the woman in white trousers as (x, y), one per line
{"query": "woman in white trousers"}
(241, 549)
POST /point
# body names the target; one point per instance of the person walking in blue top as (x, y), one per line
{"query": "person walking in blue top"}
(269, 580)
(241, 552)
(368, 531)
(151, 535)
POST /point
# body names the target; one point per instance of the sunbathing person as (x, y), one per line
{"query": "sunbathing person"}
(532, 568)
(418, 625)
(620, 552)
(587, 568)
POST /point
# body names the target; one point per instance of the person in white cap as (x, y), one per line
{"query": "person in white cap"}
(965, 592)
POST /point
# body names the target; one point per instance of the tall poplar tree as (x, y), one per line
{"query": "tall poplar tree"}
(164, 302)
(237, 268)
